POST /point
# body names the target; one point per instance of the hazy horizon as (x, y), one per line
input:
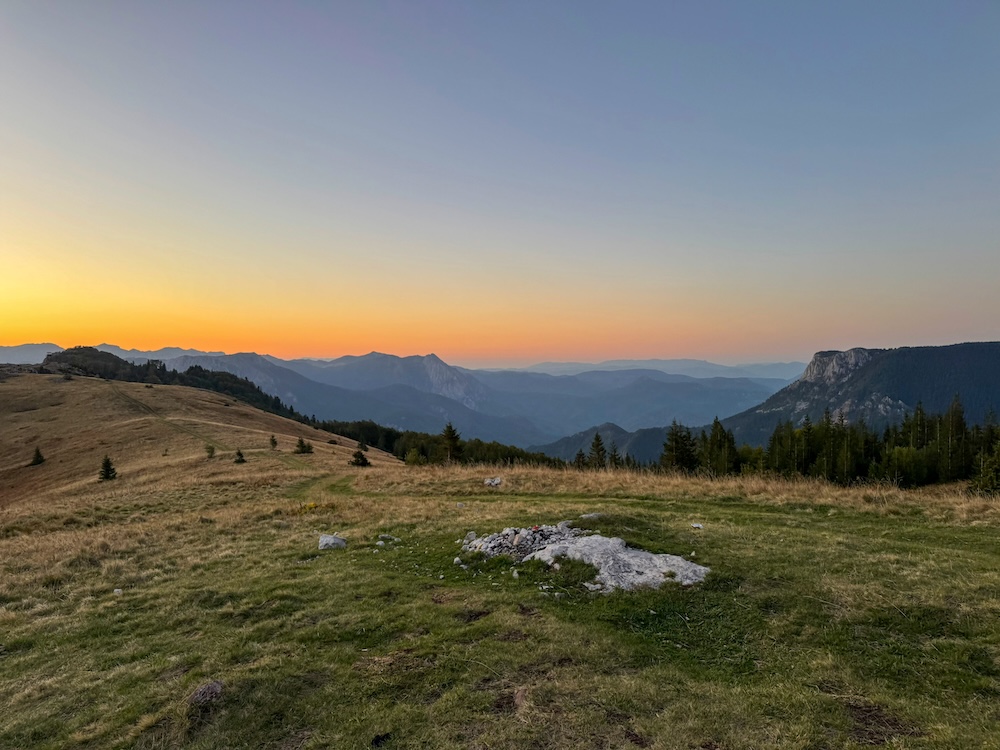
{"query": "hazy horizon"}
(501, 184)
(470, 364)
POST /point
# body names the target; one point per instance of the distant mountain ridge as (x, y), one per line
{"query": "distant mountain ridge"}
(696, 368)
(515, 407)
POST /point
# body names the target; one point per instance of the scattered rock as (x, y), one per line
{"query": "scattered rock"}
(389, 538)
(210, 692)
(118, 592)
(380, 543)
(591, 516)
(493, 482)
(331, 541)
(470, 537)
(697, 526)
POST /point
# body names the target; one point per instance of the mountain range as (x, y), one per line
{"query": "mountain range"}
(630, 403)
(517, 407)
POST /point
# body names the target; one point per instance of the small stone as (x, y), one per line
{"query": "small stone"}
(458, 561)
(118, 592)
(210, 692)
(459, 505)
(697, 526)
(441, 578)
(379, 543)
(331, 541)
(470, 537)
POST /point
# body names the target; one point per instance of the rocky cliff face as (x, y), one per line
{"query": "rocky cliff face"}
(446, 381)
(831, 368)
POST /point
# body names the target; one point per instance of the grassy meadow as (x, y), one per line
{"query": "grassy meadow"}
(833, 617)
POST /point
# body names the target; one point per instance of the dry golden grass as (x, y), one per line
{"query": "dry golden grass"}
(944, 502)
(156, 437)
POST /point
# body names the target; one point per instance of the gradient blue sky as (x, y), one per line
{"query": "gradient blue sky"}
(500, 182)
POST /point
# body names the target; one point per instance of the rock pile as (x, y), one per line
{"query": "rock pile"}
(618, 566)
(519, 543)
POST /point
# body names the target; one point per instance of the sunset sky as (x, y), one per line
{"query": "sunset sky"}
(500, 182)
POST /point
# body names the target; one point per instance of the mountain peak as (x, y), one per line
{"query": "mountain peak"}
(835, 366)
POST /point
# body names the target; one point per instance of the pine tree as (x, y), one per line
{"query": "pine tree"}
(598, 457)
(580, 461)
(452, 442)
(38, 458)
(107, 472)
(210, 450)
(614, 457)
(274, 442)
(679, 450)
(239, 457)
(360, 459)
(303, 447)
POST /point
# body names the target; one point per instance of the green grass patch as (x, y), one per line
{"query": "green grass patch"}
(817, 628)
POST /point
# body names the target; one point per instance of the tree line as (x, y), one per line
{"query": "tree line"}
(924, 449)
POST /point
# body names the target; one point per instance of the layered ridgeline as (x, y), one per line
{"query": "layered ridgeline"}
(516, 407)
(880, 387)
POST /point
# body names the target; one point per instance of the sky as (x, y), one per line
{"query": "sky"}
(500, 183)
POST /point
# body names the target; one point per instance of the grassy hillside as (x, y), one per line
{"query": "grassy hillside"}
(833, 617)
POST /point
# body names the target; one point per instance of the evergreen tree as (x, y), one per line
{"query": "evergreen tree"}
(274, 442)
(362, 445)
(303, 447)
(38, 458)
(719, 454)
(452, 443)
(679, 450)
(580, 460)
(210, 450)
(360, 459)
(108, 471)
(614, 457)
(239, 457)
(598, 457)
